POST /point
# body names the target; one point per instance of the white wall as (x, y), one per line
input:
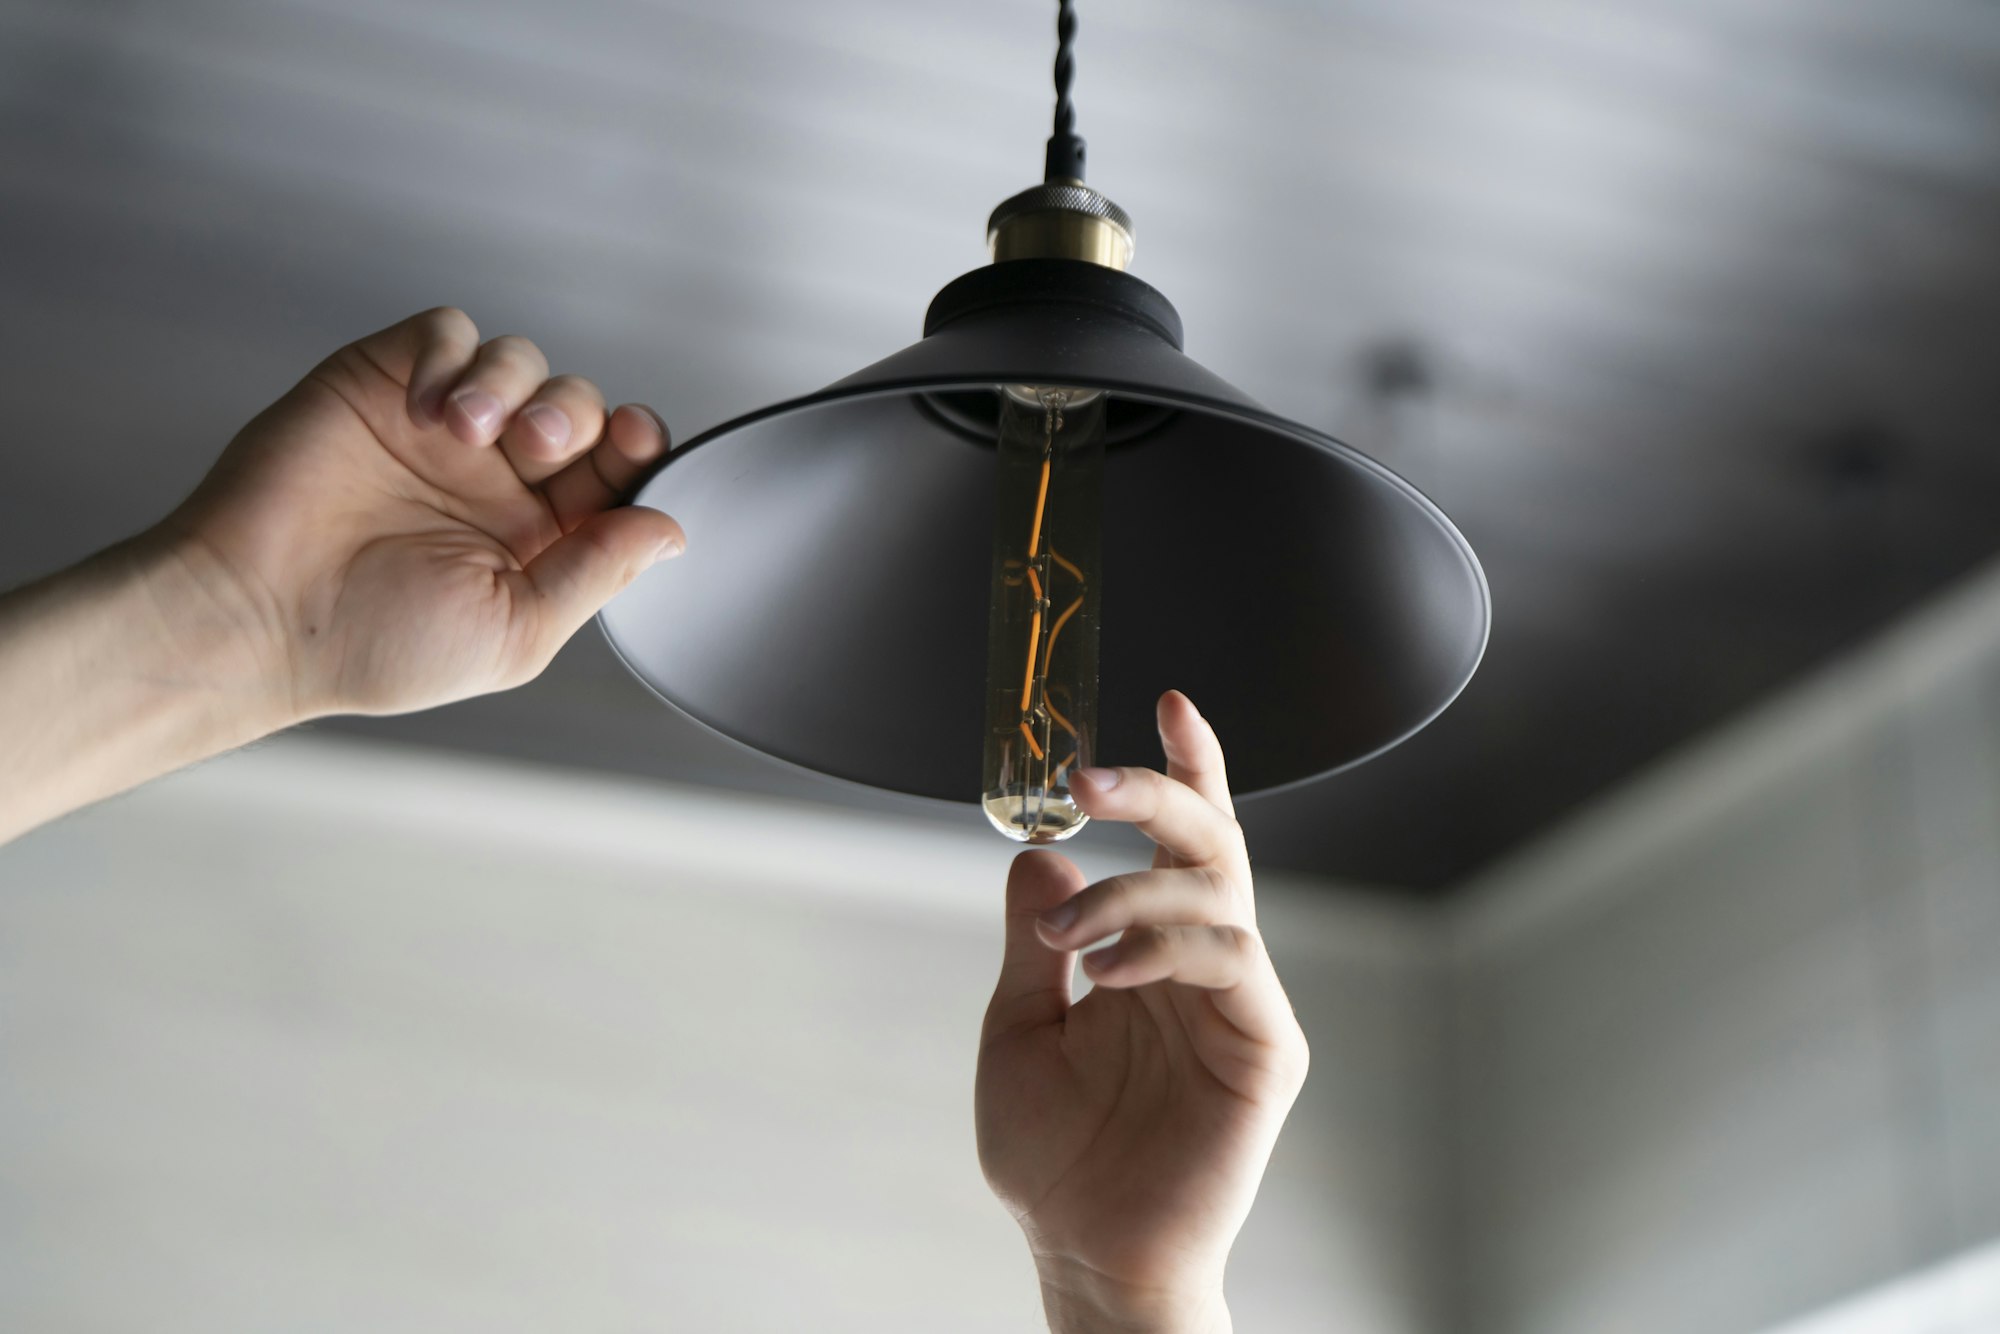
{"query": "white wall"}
(332, 1037)
(1727, 1048)
(327, 1036)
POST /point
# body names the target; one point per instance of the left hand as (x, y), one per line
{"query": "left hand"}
(1127, 1132)
(423, 518)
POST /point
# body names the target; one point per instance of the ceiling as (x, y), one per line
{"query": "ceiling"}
(1688, 311)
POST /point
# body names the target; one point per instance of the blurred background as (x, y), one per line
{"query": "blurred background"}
(1656, 987)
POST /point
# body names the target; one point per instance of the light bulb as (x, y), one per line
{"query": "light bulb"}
(1041, 652)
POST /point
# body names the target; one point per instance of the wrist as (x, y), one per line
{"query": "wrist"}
(1079, 1299)
(237, 663)
(130, 665)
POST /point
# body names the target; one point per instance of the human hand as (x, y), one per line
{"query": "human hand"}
(423, 518)
(1127, 1131)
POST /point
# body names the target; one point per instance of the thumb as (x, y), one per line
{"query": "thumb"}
(580, 572)
(1034, 980)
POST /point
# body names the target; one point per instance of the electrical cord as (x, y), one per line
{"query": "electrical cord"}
(1065, 157)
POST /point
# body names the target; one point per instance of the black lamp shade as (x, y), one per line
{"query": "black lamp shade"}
(831, 607)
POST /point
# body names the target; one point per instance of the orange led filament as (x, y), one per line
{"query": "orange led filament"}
(1040, 652)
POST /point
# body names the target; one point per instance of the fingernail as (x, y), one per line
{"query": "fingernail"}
(1101, 959)
(481, 409)
(1061, 917)
(666, 436)
(669, 549)
(552, 423)
(1101, 779)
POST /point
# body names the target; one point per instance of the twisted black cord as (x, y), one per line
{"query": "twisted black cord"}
(1065, 158)
(1065, 66)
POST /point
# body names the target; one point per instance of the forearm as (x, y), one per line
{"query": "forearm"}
(1079, 1300)
(130, 665)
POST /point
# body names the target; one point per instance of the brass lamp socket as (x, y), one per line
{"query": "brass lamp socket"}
(1061, 220)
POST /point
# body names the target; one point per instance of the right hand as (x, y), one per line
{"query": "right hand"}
(1128, 1131)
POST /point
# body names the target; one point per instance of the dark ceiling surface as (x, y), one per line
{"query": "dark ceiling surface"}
(1688, 311)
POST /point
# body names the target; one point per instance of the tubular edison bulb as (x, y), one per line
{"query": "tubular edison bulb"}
(1041, 655)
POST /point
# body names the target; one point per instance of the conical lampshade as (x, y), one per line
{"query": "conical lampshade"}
(831, 609)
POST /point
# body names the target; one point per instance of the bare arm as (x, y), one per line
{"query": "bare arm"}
(423, 518)
(123, 668)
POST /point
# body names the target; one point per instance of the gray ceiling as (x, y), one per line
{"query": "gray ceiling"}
(1688, 311)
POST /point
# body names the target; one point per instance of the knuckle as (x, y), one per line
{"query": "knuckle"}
(1292, 1059)
(349, 364)
(574, 386)
(599, 543)
(1215, 881)
(448, 324)
(514, 350)
(1097, 906)
(1236, 835)
(1121, 897)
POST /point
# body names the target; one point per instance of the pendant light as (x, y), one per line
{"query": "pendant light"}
(905, 579)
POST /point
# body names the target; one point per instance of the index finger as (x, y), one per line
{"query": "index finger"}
(423, 354)
(1194, 754)
(1188, 826)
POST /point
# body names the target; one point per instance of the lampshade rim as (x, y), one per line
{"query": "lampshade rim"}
(972, 802)
(1235, 410)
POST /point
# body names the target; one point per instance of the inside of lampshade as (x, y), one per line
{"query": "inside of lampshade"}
(974, 414)
(831, 608)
